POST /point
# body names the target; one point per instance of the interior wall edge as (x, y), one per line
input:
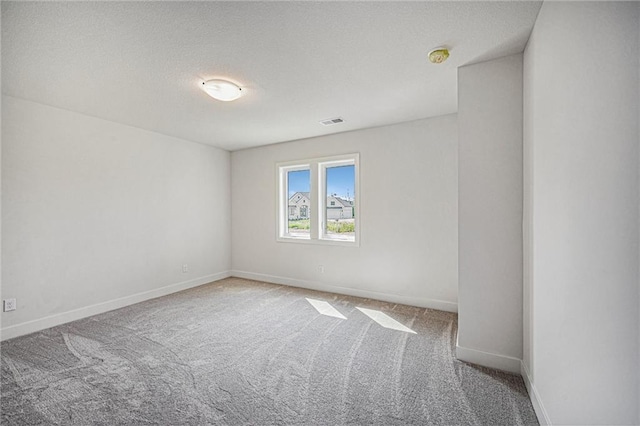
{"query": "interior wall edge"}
(638, 342)
(536, 401)
(99, 308)
(420, 302)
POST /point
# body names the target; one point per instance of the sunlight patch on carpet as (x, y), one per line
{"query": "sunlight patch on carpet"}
(325, 308)
(385, 320)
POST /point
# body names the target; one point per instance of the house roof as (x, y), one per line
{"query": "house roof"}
(345, 203)
(304, 194)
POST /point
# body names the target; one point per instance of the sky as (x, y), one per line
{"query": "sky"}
(340, 181)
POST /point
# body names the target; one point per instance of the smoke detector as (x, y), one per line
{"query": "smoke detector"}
(439, 55)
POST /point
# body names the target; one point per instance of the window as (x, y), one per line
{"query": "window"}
(338, 185)
(298, 186)
(318, 200)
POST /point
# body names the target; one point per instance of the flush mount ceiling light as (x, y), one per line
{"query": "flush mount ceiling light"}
(439, 55)
(222, 90)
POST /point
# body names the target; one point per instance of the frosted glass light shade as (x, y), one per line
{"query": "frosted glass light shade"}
(222, 90)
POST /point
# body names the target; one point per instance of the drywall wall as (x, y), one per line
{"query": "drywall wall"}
(527, 248)
(1, 293)
(527, 229)
(490, 213)
(581, 134)
(97, 214)
(408, 197)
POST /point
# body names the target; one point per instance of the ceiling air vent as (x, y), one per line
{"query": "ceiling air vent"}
(332, 121)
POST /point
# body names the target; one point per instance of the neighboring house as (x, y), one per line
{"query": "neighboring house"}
(337, 208)
(299, 205)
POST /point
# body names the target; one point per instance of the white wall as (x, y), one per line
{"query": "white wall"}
(581, 137)
(408, 241)
(95, 211)
(490, 213)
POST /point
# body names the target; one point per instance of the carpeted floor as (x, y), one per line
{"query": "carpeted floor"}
(242, 352)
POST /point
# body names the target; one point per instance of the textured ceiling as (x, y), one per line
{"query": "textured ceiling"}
(141, 63)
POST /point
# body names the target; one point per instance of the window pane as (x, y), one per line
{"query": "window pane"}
(340, 202)
(299, 205)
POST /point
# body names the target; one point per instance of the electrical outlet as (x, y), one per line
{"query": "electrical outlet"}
(9, 305)
(185, 268)
(321, 269)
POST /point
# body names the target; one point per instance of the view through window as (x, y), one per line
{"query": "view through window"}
(299, 188)
(340, 205)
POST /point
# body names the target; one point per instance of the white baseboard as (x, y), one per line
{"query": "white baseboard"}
(87, 311)
(487, 359)
(420, 302)
(543, 417)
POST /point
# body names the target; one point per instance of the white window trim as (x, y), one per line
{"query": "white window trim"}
(317, 208)
(282, 213)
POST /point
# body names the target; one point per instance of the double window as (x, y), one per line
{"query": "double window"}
(318, 200)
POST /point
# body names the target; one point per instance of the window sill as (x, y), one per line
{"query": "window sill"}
(321, 241)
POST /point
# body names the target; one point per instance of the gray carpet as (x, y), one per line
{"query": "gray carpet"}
(243, 352)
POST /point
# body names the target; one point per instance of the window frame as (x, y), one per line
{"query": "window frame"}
(317, 199)
(283, 197)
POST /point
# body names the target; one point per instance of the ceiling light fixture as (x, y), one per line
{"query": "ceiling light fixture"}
(222, 90)
(439, 55)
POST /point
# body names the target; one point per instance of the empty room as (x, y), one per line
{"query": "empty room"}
(320, 213)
